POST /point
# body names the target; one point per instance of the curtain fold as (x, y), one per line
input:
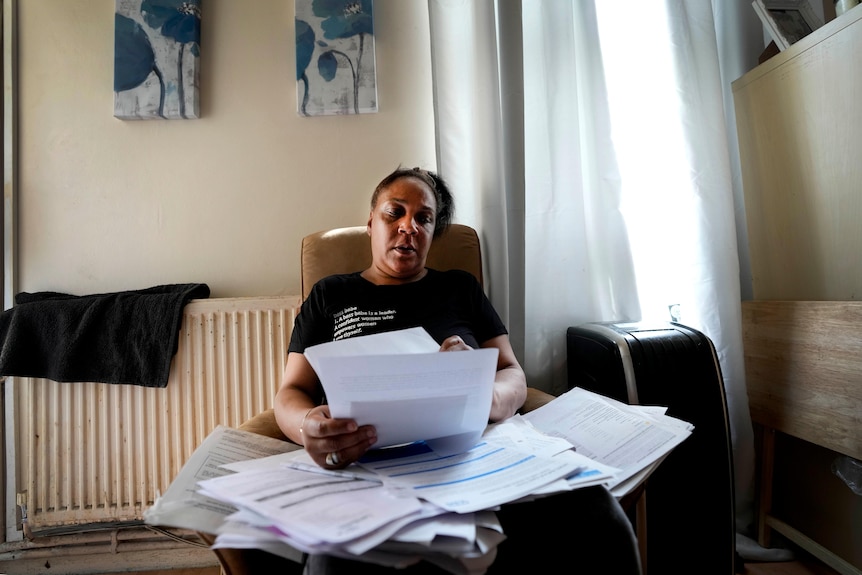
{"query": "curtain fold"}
(624, 207)
(578, 259)
(470, 142)
(715, 291)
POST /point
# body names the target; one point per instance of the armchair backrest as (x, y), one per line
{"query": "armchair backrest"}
(346, 250)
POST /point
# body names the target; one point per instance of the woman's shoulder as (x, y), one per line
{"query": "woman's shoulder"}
(336, 282)
(337, 279)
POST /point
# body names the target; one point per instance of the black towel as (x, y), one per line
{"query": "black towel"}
(124, 337)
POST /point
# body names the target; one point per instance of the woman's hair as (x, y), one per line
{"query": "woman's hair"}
(445, 201)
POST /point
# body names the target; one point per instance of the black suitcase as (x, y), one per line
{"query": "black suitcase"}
(690, 516)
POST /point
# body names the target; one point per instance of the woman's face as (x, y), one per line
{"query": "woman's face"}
(401, 227)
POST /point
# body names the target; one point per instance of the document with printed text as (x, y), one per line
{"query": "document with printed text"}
(182, 505)
(399, 382)
(628, 437)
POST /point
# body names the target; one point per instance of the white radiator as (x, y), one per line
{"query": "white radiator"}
(93, 453)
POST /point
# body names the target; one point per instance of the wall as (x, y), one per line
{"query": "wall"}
(108, 205)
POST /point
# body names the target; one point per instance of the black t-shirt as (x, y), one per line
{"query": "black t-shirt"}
(444, 303)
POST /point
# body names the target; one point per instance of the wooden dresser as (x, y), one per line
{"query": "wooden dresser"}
(799, 120)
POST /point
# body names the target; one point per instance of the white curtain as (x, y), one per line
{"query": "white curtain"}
(588, 144)
(476, 151)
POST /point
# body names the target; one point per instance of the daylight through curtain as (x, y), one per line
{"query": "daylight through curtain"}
(614, 200)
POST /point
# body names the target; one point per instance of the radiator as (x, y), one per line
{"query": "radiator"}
(96, 455)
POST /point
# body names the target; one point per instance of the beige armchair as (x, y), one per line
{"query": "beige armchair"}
(346, 250)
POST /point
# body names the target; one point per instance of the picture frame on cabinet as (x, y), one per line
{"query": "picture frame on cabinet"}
(787, 21)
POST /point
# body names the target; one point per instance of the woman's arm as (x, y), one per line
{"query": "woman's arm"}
(510, 382)
(298, 393)
(305, 422)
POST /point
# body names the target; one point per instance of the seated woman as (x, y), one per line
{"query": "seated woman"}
(584, 530)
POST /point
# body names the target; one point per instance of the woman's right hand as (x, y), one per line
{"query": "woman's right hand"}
(334, 443)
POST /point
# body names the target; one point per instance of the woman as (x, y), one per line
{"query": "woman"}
(409, 208)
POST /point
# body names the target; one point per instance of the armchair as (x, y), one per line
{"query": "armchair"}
(345, 250)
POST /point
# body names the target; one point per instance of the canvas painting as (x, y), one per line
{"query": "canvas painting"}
(335, 61)
(156, 59)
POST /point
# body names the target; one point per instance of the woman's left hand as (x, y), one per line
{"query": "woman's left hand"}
(454, 343)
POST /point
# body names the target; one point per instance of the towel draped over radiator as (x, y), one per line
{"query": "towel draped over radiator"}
(127, 337)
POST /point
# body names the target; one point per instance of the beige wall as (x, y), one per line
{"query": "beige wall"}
(108, 205)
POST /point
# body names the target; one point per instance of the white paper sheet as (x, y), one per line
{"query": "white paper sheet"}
(487, 475)
(392, 381)
(241, 534)
(609, 432)
(520, 433)
(316, 506)
(412, 340)
(182, 506)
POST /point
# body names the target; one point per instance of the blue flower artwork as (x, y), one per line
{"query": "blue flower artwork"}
(156, 59)
(335, 61)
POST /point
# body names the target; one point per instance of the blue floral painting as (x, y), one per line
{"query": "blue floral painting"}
(335, 62)
(156, 59)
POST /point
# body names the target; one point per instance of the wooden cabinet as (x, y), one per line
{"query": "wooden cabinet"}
(799, 119)
(799, 122)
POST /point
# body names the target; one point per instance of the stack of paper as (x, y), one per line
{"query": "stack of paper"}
(430, 493)
(396, 507)
(632, 438)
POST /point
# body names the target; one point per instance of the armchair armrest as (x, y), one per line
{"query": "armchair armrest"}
(264, 424)
(535, 398)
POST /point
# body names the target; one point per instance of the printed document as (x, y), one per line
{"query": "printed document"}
(491, 473)
(313, 507)
(182, 505)
(627, 437)
(399, 382)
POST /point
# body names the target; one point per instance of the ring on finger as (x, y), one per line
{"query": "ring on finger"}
(332, 458)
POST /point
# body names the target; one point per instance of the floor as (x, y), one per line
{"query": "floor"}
(803, 565)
